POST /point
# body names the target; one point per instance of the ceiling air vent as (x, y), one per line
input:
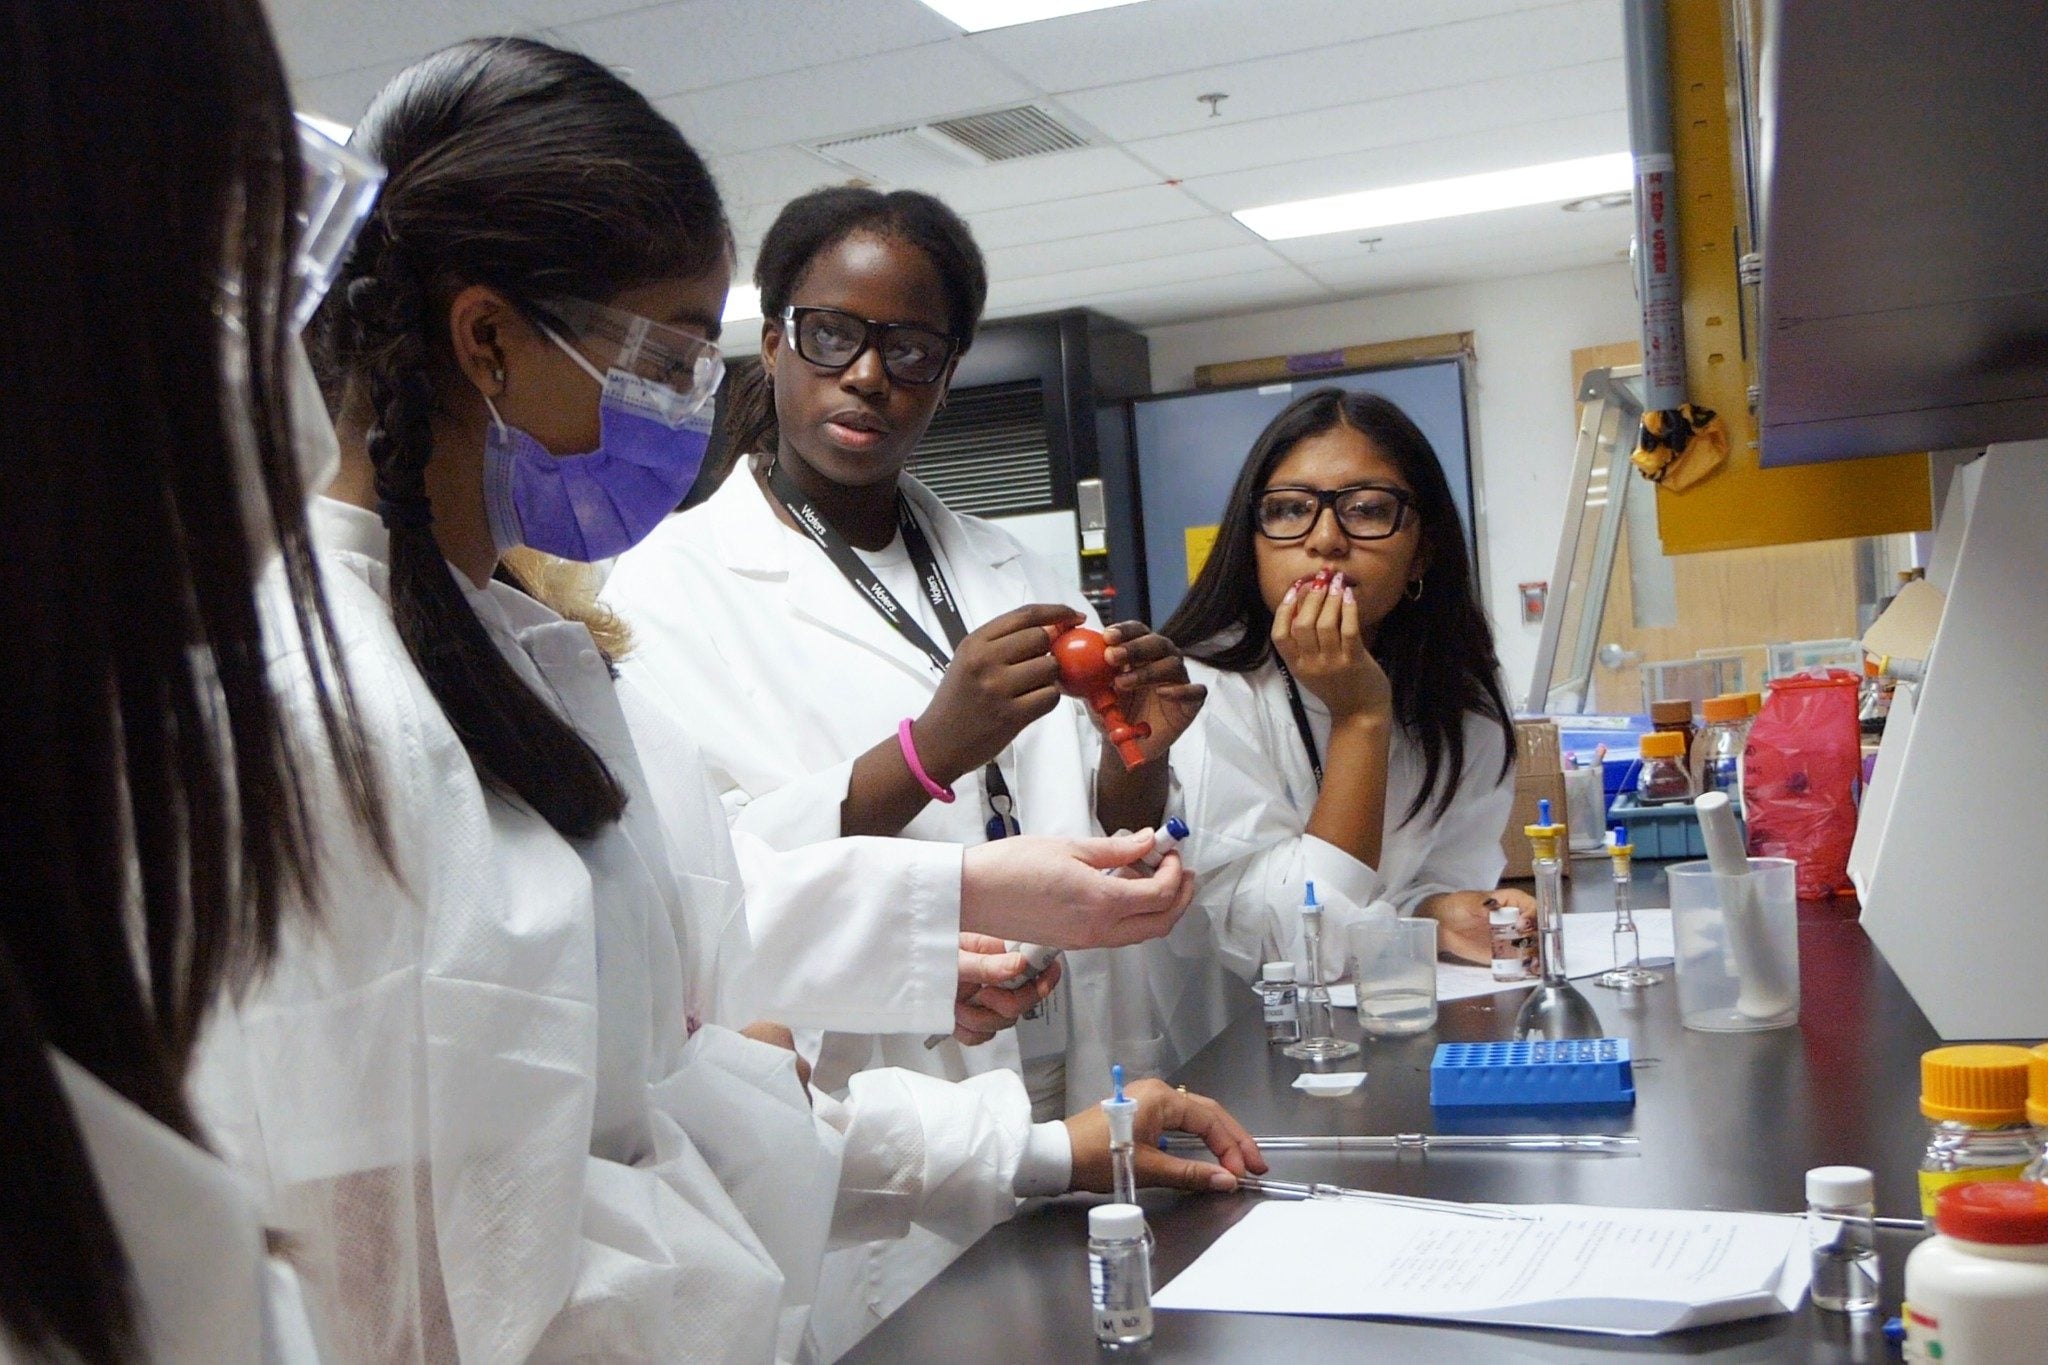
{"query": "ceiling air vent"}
(1008, 134)
(901, 156)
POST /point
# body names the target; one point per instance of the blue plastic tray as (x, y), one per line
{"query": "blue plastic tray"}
(1539, 1075)
(1667, 831)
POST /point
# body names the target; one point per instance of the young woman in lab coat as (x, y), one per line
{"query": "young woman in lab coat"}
(820, 716)
(155, 833)
(1356, 735)
(495, 1102)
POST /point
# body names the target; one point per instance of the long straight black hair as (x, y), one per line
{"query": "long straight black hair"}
(814, 223)
(1437, 649)
(541, 174)
(154, 830)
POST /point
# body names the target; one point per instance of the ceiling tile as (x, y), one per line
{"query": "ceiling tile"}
(692, 44)
(774, 175)
(911, 85)
(345, 95)
(1529, 144)
(1164, 36)
(1081, 215)
(1254, 291)
(1039, 180)
(1428, 115)
(1607, 227)
(1421, 59)
(1116, 248)
(1076, 286)
(322, 37)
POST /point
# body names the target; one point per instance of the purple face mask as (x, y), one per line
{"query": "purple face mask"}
(651, 443)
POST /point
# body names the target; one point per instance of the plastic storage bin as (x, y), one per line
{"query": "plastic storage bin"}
(1670, 831)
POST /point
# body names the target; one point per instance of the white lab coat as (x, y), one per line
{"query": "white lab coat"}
(1252, 790)
(204, 1288)
(746, 634)
(479, 1154)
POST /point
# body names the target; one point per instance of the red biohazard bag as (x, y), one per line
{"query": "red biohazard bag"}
(1800, 775)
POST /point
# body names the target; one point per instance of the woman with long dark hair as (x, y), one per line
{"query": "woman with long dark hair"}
(857, 658)
(509, 1104)
(1356, 734)
(156, 835)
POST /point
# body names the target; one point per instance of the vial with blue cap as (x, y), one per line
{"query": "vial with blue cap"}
(1319, 1042)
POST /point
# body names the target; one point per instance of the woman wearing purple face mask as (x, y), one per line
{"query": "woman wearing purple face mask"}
(509, 1102)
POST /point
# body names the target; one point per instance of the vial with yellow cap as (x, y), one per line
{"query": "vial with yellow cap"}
(2037, 1109)
(1555, 1009)
(1975, 1100)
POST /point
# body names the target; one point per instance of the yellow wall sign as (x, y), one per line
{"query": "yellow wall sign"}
(1200, 540)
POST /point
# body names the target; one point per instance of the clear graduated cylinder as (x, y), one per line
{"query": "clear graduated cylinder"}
(1841, 1228)
(1120, 1275)
(1281, 1000)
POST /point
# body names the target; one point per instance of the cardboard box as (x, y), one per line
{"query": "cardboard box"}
(1539, 776)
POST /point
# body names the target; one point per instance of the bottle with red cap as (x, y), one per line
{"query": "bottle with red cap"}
(1977, 1291)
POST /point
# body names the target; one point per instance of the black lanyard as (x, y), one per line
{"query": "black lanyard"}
(1308, 736)
(1002, 819)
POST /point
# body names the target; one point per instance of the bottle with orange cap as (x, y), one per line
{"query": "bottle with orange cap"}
(1717, 752)
(1975, 1100)
(2037, 1109)
(1663, 778)
(1977, 1291)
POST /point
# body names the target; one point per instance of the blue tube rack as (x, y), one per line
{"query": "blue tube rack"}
(1569, 1073)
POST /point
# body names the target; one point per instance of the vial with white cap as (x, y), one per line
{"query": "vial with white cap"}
(1281, 1000)
(1841, 1210)
(1120, 1275)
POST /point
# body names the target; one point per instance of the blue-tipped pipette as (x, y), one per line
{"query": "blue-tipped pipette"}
(1123, 1149)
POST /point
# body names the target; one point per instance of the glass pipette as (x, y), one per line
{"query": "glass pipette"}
(1296, 1189)
(1605, 1144)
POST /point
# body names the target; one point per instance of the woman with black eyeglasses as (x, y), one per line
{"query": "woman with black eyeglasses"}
(1356, 734)
(854, 658)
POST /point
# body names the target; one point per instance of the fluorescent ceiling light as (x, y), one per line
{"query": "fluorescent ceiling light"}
(742, 302)
(1432, 199)
(976, 15)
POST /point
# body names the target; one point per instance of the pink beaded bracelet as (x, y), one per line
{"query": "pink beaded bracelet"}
(924, 779)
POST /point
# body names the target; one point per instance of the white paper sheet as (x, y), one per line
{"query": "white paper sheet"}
(1629, 1272)
(1588, 951)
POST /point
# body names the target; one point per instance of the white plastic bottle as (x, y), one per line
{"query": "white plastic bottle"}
(1977, 1291)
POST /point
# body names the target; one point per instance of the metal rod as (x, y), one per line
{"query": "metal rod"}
(1591, 1143)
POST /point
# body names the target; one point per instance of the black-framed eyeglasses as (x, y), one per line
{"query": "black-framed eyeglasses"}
(832, 340)
(1365, 511)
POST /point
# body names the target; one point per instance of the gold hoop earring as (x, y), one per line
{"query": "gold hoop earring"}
(1414, 590)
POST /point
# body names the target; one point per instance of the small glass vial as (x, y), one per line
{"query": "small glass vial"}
(1512, 948)
(1282, 1001)
(1978, 1289)
(1841, 1227)
(1717, 752)
(1663, 778)
(1975, 1100)
(1120, 1275)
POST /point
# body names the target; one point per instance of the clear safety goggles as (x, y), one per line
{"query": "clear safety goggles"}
(339, 192)
(653, 352)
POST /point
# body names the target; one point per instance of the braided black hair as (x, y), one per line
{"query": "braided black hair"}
(540, 174)
(813, 224)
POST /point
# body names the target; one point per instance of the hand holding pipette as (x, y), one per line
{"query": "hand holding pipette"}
(1038, 959)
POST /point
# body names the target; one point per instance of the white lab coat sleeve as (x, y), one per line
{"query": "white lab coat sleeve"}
(1465, 851)
(852, 935)
(415, 1083)
(1250, 850)
(943, 1155)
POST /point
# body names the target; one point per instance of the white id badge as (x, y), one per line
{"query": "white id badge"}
(1043, 1032)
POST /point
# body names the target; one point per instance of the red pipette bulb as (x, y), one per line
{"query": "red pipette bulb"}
(1085, 673)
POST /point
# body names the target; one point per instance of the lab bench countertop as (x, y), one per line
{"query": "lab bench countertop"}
(1727, 1121)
